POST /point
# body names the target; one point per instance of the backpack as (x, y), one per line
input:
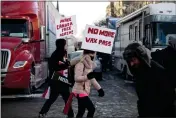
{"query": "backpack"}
(71, 75)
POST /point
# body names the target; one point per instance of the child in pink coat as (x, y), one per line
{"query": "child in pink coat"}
(84, 77)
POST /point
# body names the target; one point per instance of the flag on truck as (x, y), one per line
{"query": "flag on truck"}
(46, 94)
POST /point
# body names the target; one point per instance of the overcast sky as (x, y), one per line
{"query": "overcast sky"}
(86, 12)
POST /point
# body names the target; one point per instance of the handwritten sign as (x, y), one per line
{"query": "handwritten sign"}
(65, 26)
(98, 39)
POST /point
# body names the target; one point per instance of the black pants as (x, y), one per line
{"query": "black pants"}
(55, 92)
(83, 104)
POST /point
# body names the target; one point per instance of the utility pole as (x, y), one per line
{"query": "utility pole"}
(57, 6)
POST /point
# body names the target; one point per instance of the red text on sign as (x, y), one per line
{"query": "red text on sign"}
(107, 33)
(91, 40)
(66, 29)
(66, 33)
(65, 20)
(64, 25)
(92, 30)
(101, 32)
(104, 42)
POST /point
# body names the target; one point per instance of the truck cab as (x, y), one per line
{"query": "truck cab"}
(22, 46)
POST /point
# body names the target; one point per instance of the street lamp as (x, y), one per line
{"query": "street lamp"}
(57, 7)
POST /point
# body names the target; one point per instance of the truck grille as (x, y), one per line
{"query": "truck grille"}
(5, 55)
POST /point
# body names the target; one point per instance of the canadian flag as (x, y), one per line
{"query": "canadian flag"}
(64, 72)
(46, 94)
(68, 104)
(60, 62)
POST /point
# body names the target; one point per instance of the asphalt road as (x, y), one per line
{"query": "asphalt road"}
(119, 101)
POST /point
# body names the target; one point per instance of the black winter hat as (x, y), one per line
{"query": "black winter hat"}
(60, 43)
(136, 50)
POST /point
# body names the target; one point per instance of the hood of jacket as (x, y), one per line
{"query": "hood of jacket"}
(140, 52)
(88, 63)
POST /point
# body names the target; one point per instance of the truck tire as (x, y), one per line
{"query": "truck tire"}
(31, 88)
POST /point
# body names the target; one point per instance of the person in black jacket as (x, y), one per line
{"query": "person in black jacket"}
(167, 58)
(105, 61)
(57, 63)
(154, 90)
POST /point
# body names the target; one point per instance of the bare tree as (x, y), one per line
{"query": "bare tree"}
(101, 23)
(112, 9)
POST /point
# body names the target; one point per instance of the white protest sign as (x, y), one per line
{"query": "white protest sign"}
(65, 26)
(98, 39)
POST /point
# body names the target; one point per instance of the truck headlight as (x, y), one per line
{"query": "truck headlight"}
(19, 64)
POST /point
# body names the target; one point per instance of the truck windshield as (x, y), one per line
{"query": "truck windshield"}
(162, 32)
(14, 28)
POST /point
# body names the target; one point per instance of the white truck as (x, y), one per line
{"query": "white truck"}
(151, 26)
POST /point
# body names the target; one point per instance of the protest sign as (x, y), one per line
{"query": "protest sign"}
(65, 26)
(98, 39)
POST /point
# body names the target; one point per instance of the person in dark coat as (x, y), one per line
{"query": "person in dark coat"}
(57, 63)
(154, 90)
(105, 61)
(167, 58)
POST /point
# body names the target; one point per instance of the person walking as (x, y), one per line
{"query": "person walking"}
(167, 58)
(84, 77)
(154, 90)
(59, 64)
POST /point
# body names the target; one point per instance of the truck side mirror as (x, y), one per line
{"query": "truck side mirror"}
(42, 33)
(25, 40)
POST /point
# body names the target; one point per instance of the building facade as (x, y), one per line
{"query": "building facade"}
(122, 8)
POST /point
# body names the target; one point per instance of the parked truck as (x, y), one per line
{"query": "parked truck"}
(152, 25)
(28, 34)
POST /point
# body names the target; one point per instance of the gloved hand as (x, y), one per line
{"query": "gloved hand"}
(101, 92)
(91, 75)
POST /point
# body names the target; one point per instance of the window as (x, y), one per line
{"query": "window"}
(162, 32)
(147, 36)
(31, 29)
(130, 32)
(14, 28)
(140, 29)
(135, 30)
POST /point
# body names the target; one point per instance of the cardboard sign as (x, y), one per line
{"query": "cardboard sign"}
(98, 39)
(65, 26)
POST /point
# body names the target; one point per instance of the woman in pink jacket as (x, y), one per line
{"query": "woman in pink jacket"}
(84, 77)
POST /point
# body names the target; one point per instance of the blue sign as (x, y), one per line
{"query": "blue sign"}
(112, 22)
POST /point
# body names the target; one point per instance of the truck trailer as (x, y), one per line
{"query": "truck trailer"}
(28, 34)
(151, 26)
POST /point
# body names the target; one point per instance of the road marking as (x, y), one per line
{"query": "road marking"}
(22, 96)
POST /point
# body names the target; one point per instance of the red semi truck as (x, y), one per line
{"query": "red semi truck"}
(27, 40)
